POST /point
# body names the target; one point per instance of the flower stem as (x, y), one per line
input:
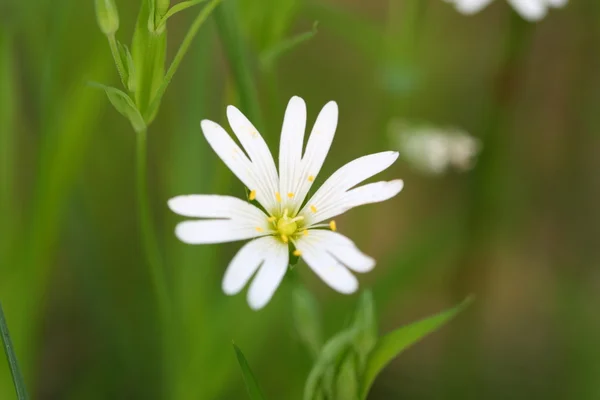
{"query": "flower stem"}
(114, 49)
(149, 241)
(12, 359)
(185, 45)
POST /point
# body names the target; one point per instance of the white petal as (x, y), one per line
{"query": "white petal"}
(532, 10)
(557, 3)
(317, 148)
(350, 175)
(269, 275)
(259, 153)
(237, 162)
(245, 263)
(470, 6)
(343, 249)
(366, 194)
(217, 231)
(290, 149)
(216, 206)
(330, 270)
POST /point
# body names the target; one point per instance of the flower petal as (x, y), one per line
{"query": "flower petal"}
(219, 231)
(259, 153)
(317, 148)
(331, 271)
(532, 10)
(237, 161)
(270, 274)
(366, 194)
(216, 206)
(470, 6)
(343, 249)
(245, 263)
(290, 150)
(348, 176)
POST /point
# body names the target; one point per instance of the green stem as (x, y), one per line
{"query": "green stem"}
(12, 359)
(114, 49)
(233, 43)
(185, 45)
(149, 241)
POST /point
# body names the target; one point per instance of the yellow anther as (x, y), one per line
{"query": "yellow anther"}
(258, 229)
(297, 253)
(333, 226)
(311, 178)
(271, 219)
(252, 195)
(278, 197)
(284, 238)
(313, 208)
(305, 232)
(290, 195)
(253, 133)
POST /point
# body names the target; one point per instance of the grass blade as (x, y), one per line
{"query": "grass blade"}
(392, 344)
(12, 359)
(251, 384)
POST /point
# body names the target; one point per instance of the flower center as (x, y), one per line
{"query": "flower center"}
(286, 226)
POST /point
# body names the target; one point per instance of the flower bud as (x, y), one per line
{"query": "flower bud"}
(108, 16)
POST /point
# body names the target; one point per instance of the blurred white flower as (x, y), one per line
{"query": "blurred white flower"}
(284, 222)
(432, 149)
(532, 10)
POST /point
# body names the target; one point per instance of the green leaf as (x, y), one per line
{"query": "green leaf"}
(127, 62)
(184, 5)
(251, 384)
(307, 319)
(392, 344)
(124, 105)
(12, 359)
(331, 354)
(270, 55)
(148, 50)
(365, 323)
(346, 380)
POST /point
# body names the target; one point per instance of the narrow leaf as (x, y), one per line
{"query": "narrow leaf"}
(365, 324)
(331, 353)
(124, 105)
(12, 359)
(307, 319)
(184, 5)
(392, 344)
(251, 384)
(270, 56)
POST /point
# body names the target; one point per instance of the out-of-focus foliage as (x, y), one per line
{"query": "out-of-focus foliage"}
(520, 229)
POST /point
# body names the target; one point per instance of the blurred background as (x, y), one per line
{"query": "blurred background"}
(518, 225)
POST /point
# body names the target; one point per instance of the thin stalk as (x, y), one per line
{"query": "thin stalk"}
(185, 45)
(17, 377)
(148, 235)
(233, 43)
(114, 49)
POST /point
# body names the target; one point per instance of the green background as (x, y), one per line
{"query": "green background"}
(521, 230)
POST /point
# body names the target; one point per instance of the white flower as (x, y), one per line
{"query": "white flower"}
(434, 150)
(284, 221)
(532, 10)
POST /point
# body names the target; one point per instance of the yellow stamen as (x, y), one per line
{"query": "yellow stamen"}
(258, 229)
(298, 218)
(305, 232)
(333, 226)
(297, 253)
(290, 195)
(252, 195)
(278, 197)
(271, 219)
(311, 178)
(284, 238)
(313, 208)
